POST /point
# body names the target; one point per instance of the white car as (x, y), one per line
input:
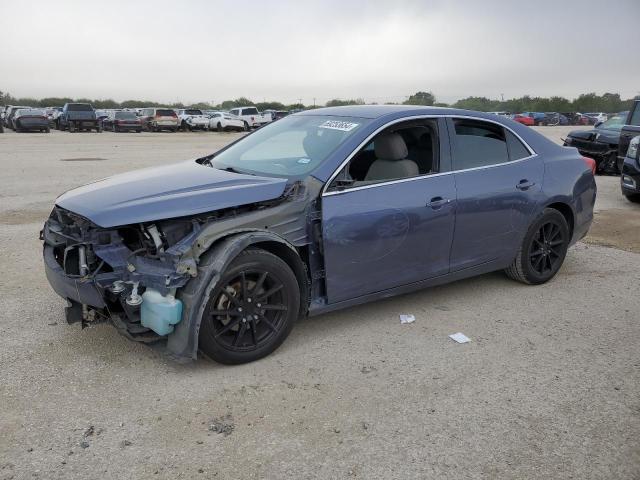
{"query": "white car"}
(222, 121)
(251, 117)
(192, 119)
(599, 116)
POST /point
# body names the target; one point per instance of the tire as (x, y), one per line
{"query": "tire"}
(47, 130)
(219, 127)
(246, 127)
(249, 332)
(541, 254)
(633, 197)
(185, 127)
(174, 130)
(72, 127)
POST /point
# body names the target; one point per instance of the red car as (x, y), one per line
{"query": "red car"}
(523, 119)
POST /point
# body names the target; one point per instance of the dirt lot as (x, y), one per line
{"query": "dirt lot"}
(549, 386)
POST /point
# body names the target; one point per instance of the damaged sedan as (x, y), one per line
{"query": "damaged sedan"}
(321, 210)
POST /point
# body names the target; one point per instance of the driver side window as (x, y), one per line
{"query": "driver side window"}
(405, 150)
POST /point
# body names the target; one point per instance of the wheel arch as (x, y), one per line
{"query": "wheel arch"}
(567, 212)
(182, 344)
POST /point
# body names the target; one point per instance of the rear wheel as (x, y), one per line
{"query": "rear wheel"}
(251, 310)
(543, 249)
(635, 198)
(219, 127)
(246, 127)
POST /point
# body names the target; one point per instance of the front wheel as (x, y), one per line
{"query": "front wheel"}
(219, 127)
(251, 310)
(543, 249)
(633, 197)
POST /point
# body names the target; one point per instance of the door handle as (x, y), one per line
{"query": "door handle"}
(525, 185)
(438, 202)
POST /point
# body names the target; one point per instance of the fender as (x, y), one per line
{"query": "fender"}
(182, 344)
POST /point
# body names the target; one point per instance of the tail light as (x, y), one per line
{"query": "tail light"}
(591, 163)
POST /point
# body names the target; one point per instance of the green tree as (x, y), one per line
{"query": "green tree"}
(336, 102)
(421, 98)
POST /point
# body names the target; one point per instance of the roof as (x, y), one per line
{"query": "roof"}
(377, 111)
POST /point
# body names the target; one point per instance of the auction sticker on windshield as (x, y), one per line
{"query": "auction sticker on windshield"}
(338, 125)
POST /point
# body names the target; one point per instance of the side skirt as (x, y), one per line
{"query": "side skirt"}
(491, 266)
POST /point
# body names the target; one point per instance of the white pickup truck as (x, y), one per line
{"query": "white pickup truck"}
(251, 117)
(192, 119)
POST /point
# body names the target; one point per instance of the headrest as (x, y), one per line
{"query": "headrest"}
(390, 147)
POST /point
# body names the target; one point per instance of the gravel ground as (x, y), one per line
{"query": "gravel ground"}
(549, 386)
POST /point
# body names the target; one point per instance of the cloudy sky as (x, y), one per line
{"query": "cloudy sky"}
(200, 50)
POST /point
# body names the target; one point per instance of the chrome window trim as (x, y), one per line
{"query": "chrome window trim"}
(427, 175)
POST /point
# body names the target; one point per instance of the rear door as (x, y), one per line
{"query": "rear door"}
(630, 130)
(498, 179)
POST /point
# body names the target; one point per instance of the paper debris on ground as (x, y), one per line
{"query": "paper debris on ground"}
(407, 318)
(460, 337)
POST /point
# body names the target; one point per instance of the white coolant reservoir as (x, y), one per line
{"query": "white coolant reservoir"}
(160, 312)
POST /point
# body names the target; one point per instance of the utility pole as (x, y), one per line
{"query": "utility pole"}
(314, 102)
(502, 96)
(299, 101)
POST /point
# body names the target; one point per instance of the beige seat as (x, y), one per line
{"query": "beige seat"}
(391, 162)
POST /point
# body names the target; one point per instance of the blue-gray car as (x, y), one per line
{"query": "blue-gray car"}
(321, 210)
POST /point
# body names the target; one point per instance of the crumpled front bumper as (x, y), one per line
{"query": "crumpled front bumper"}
(80, 290)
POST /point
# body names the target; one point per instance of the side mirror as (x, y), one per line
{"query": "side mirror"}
(598, 124)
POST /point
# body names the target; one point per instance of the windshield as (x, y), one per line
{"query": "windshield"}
(30, 112)
(79, 107)
(290, 147)
(250, 111)
(614, 123)
(192, 112)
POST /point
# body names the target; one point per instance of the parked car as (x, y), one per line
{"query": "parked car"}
(192, 119)
(599, 116)
(251, 117)
(157, 119)
(523, 119)
(78, 116)
(538, 117)
(318, 211)
(630, 177)
(223, 121)
(30, 119)
(10, 113)
(584, 119)
(630, 129)
(601, 143)
(122, 122)
(572, 118)
(553, 119)
(52, 115)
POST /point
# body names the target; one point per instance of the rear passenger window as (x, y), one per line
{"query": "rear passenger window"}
(478, 144)
(516, 148)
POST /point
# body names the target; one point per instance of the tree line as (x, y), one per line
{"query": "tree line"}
(586, 102)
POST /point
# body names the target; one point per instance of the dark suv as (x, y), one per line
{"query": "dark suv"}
(78, 116)
(629, 154)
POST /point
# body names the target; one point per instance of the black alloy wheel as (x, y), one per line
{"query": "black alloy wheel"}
(543, 249)
(546, 248)
(219, 127)
(251, 310)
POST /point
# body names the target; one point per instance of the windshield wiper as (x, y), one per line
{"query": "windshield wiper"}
(235, 170)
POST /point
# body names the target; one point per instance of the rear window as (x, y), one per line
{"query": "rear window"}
(79, 107)
(193, 112)
(30, 111)
(517, 150)
(250, 111)
(479, 144)
(165, 113)
(126, 115)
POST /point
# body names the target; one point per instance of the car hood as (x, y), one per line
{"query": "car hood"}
(597, 134)
(171, 191)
